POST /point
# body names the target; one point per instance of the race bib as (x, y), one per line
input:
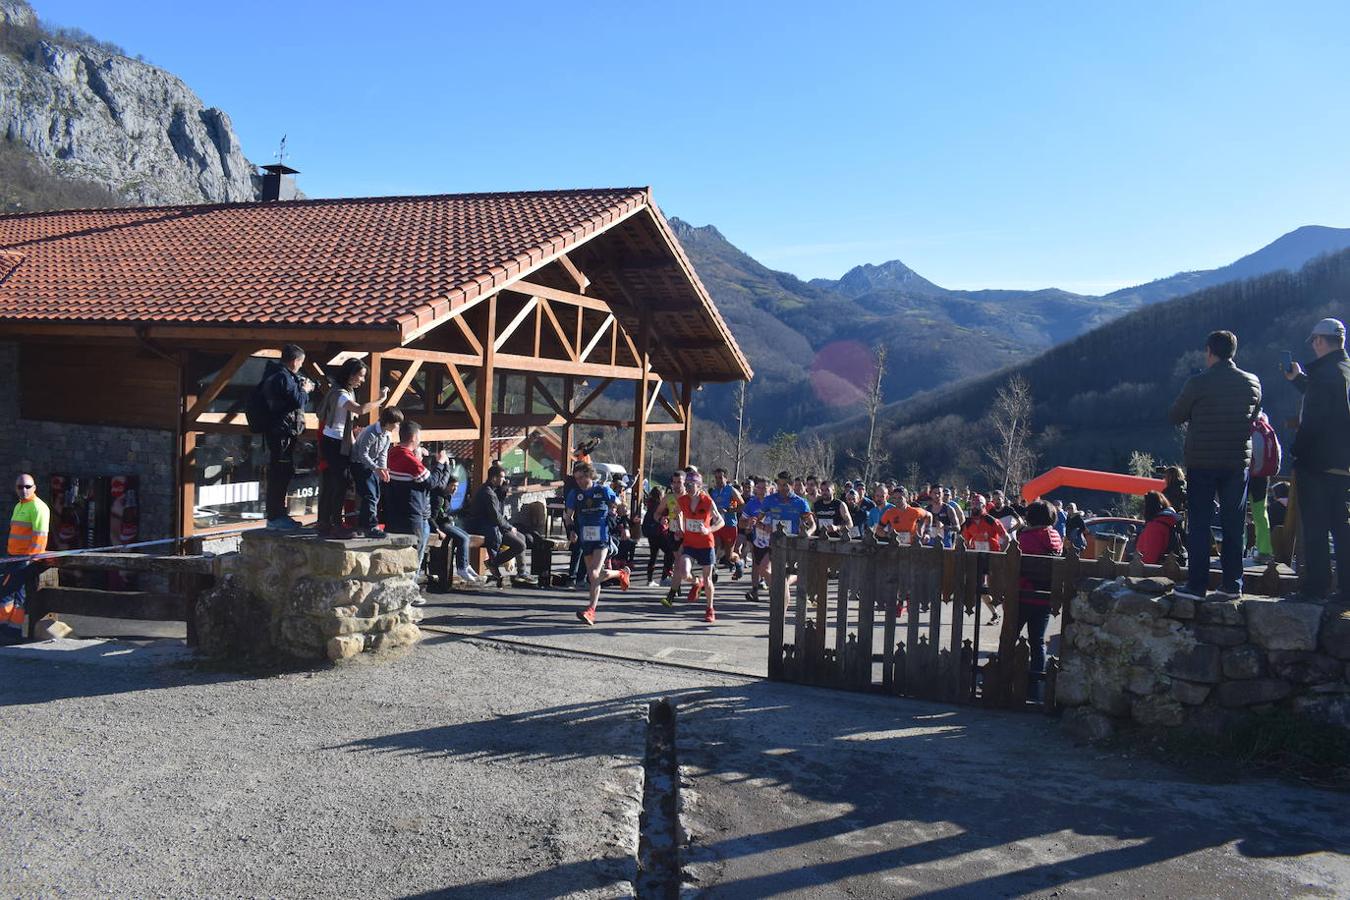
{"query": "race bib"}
(855, 531)
(790, 525)
(904, 538)
(694, 526)
(590, 534)
(982, 545)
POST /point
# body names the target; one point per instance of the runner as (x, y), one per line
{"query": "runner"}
(880, 503)
(986, 534)
(588, 511)
(908, 523)
(670, 518)
(831, 512)
(759, 539)
(856, 514)
(698, 520)
(946, 520)
(788, 509)
(729, 502)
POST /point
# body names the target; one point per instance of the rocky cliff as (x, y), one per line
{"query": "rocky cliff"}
(86, 112)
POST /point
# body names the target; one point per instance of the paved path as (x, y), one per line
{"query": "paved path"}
(470, 769)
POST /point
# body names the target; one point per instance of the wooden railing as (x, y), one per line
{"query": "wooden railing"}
(872, 616)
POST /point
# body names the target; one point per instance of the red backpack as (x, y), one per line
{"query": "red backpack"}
(1265, 448)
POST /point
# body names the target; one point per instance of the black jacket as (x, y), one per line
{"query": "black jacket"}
(1219, 405)
(1323, 439)
(486, 511)
(286, 400)
(407, 504)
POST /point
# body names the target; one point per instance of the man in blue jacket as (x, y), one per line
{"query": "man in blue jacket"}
(1321, 454)
(286, 392)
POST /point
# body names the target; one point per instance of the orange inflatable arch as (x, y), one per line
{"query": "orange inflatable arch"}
(1111, 482)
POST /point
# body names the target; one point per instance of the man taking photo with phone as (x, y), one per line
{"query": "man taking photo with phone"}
(1321, 454)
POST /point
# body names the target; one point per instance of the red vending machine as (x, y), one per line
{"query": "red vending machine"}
(124, 523)
(67, 531)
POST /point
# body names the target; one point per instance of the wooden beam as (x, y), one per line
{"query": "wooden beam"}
(529, 420)
(571, 269)
(373, 385)
(592, 397)
(538, 327)
(463, 392)
(217, 386)
(403, 383)
(511, 362)
(185, 445)
(641, 407)
(557, 327)
(630, 423)
(651, 403)
(449, 434)
(510, 329)
(567, 432)
(486, 393)
(469, 336)
(529, 288)
(549, 399)
(609, 320)
(686, 421)
(670, 408)
(435, 356)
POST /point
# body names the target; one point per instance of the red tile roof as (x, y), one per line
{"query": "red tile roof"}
(375, 262)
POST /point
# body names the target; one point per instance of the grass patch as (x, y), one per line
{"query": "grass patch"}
(1278, 743)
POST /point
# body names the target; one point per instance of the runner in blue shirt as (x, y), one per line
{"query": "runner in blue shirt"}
(588, 510)
(729, 503)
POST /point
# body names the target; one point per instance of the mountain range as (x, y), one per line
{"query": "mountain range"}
(811, 342)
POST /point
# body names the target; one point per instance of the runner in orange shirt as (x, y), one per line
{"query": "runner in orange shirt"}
(908, 523)
(699, 520)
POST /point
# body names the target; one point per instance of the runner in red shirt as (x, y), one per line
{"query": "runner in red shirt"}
(699, 520)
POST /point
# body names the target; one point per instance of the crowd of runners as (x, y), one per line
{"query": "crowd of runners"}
(697, 531)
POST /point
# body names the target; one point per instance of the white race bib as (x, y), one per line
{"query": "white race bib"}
(982, 545)
(904, 538)
(694, 526)
(590, 534)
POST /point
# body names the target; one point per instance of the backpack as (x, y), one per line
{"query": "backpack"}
(1265, 448)
(257, 411)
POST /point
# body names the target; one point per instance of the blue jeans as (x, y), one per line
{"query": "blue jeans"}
(459, 542)
(1202, 487)
(368, 494)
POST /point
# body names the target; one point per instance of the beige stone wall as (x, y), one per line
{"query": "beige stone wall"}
(1134, 653)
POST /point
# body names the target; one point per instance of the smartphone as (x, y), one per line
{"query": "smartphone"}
(1287, 361)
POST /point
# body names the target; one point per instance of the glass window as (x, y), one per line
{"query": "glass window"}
(230, 480)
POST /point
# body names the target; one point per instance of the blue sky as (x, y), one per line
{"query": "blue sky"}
(1013, 145)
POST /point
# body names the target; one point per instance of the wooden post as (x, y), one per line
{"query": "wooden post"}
(186, 446)
(640, 407)
(777, 606)
(567, 432)
(373, 379)
(687, 414)
(484, 392)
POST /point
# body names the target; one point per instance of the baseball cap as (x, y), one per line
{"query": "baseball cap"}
(1328, 328)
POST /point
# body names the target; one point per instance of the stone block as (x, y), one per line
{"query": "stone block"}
(1283, 625)
(341, 625)
(345, 646)
(1199, 663)
(1085, 611)
(1162, 628)
(1135, 603)
(301, 638)
(392, 561)
(1183, 607)
(1071, 683)
(1334, 709)
(394, 595)
(1085, 723)
(1158, 711)
(1335, 638)
(1303, 667)
(1253, 691)
(1190, 693)
(1222, 635)
(1152, 585)
(1219, 612)
(1109, 699)
(399, 636)
(1243, 662)
(1141, 680)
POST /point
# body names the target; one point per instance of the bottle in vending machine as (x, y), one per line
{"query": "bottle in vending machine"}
(94, 502)
(123, 510)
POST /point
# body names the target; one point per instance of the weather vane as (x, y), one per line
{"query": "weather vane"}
(281, 151)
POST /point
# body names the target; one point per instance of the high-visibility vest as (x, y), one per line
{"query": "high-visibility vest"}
(28, 527)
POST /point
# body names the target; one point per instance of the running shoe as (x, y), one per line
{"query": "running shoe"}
(693, 592)
(586, 615)
(709, 615)
(623, 579)
(668, 599)
(652, 582)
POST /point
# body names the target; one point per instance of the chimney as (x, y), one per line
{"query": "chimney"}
(278, 183)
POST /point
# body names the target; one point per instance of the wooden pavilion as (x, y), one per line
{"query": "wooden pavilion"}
(482, 313)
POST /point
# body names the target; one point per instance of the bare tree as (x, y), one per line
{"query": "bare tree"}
(871, 459)
(1009, 458)
(742, 427)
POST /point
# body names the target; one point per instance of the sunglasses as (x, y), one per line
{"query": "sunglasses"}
(24, 487)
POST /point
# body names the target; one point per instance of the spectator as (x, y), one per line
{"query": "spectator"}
(1162, 530)
(1218, 407)
(370, 467)
(284, 393)
(29, 526)
(1075, 527)
(407, 507)
(443, 522)
(1174, 488)
(582, 452)
(654, 530)
(488, 518)
(1037, 538)
(337, 416)
(1321, 454)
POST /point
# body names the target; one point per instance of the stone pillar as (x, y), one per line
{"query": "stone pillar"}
(296, 597)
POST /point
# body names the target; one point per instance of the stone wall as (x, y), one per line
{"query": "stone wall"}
(297, 597)
(47, 448)
(1135, 653)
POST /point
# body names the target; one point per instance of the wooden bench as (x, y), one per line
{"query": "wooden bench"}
(441, 561)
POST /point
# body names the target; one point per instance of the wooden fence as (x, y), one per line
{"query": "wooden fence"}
(872, 616)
